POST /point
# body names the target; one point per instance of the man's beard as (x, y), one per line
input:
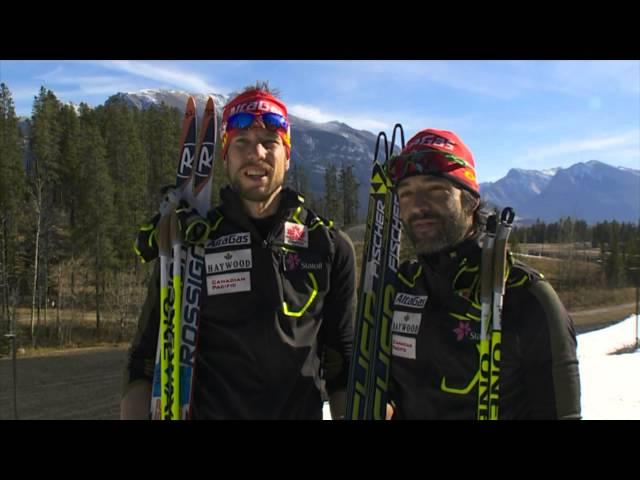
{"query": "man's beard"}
(449, 231)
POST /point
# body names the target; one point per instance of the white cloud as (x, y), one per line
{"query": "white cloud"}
(180, 78)
(377, 121)
(98, 89)
(310, 112)
(57, 71)
(628, 140)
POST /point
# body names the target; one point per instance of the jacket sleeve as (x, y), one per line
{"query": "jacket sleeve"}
(550, 361)
(142, 352)
(338, 313)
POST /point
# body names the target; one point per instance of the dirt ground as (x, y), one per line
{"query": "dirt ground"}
(592, 319)
(85, 384)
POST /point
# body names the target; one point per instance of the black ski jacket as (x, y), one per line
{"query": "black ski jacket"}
(271, 306)
(435, 345)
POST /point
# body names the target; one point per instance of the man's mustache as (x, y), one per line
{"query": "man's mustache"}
(426, 216)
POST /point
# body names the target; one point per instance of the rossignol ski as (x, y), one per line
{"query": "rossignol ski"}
(179, 301)
(367, 389)
(194, 270)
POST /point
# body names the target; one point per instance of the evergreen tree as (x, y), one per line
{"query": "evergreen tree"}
(614, 268)
(160, 133)
(46, 187)
(349, 195)
(97, 224)
(128, 170)
(332, 208)
(11, 193)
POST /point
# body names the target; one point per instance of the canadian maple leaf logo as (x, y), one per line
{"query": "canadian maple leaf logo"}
(295, 232)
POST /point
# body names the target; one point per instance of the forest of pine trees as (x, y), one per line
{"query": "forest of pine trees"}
(71, 197)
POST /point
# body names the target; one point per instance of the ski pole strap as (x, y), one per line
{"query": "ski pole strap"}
(500, 256)
(170, 199)
(195, 229)
(146, 242)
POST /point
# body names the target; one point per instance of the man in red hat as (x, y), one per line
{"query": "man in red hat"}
(437, 371)
(276, 313)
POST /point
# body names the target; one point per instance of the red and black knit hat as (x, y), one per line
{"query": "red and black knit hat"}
(436, 152)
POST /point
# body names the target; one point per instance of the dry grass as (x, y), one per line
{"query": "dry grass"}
(583, 251)
(579, 282)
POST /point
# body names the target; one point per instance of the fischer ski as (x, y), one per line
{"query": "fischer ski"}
(367, 389)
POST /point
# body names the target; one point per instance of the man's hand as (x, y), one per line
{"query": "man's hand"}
(389, 412)
(136, 403)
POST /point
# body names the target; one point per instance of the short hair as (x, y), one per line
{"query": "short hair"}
(259, 86)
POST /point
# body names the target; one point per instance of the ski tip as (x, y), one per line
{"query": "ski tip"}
(191, 104)
(381, 136)
(210, 110)
(396, 127)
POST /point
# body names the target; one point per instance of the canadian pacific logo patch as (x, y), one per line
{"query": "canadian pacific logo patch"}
(229, 283)
(404, 347)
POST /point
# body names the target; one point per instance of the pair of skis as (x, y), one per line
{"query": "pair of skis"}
(493, 273)
(368, 386)
(182, 269)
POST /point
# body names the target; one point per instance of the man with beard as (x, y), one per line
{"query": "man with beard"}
(276, 313)
(436, 369)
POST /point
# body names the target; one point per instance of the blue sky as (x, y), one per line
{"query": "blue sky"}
(512, 114)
